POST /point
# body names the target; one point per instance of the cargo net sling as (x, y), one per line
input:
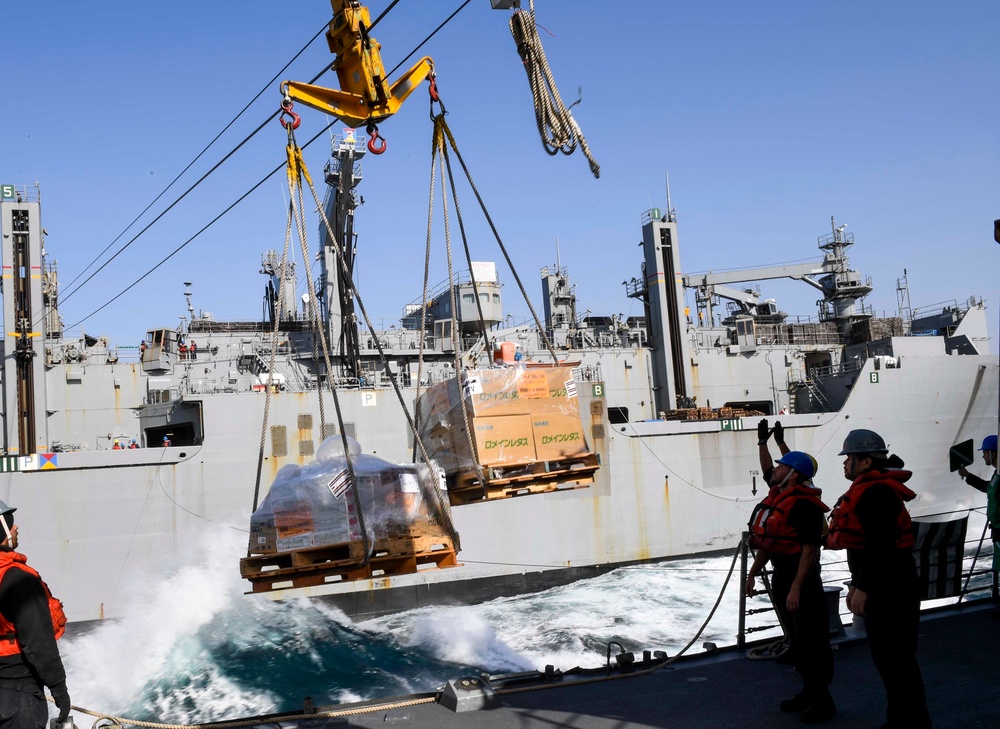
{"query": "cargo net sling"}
(307, 532)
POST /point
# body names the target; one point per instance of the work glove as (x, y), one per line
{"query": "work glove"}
(63, 704)
(762, 432)
(779, 432)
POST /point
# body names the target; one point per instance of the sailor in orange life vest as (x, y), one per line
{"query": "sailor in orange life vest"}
(787, 528)
(871, 522)
(31, 621)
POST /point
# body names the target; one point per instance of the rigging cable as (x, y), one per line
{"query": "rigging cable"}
(296, 172)
(441, 509)
(556, 125)
(421, 44)
(191, 163)
(510, 264)
(242, 197)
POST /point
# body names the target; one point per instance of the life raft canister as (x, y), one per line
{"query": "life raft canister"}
(9, 644)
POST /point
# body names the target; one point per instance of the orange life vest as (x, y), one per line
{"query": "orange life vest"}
(769, 525)
(9, 644)
(845, 525)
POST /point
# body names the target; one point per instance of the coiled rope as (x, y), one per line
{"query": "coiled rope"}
(556, 125)
(253, 721)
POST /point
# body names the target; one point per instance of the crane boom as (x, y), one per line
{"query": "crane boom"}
(365, 96)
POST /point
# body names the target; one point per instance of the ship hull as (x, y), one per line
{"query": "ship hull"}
(99, 525)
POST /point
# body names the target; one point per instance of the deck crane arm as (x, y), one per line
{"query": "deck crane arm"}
(365, 96)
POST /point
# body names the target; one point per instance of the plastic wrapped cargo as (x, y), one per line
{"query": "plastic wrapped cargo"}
(517, 415)
(312, 505)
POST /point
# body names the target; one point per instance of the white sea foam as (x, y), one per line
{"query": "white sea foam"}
(122, 666)
(198, 649)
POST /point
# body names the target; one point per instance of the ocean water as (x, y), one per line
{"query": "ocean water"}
(200, 650)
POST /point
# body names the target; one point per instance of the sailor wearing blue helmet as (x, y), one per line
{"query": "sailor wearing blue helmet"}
(786, 529)
(989, 488)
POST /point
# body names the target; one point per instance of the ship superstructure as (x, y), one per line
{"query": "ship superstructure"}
(664, 399)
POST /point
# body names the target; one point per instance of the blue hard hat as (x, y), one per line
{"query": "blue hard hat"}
(801, 462)
(989, 443)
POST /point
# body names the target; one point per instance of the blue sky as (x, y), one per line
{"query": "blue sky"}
(769, 117)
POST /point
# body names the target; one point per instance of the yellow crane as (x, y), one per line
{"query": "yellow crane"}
(365, 96)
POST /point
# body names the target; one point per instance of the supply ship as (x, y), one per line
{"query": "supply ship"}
(665, 401)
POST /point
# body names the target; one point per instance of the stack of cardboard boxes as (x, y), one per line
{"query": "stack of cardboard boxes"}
(517, 415)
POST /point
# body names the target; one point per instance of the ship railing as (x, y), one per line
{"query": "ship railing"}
(796, 334)
(798, 375)
(21, 193)
(941, 547)
(941, 307)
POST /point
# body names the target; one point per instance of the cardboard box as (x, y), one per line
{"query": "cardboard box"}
(558, 436)
(503, 440)
(495, 392)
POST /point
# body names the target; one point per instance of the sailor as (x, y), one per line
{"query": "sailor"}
(183, 349)
(871, 522)
(166, 441)
(989, 488)
(133, 445)
(193, 350)
(117, 446)
(763, 434)
(786, 529)
(31, 621)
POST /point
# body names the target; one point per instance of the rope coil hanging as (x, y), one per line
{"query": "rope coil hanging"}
(556, 125)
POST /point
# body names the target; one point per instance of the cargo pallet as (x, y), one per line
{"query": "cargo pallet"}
(538, 477)
(314, 566)
(712, 414)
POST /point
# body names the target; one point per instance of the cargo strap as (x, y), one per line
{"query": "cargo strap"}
(297, 172)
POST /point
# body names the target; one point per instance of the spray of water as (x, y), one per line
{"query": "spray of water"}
(197, 649)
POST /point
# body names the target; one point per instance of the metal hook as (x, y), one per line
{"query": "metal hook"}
(374, 137)
(286, 108)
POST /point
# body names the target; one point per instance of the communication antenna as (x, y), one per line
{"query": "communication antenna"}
(558, 263)
(903, 299)
(187, 295)
(671, 213)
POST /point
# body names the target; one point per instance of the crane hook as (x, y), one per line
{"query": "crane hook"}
(373, 138)
(286, 108)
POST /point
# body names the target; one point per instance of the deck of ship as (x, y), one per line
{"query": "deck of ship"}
(958, 656)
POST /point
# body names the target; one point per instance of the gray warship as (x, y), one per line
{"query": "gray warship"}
(665, 398)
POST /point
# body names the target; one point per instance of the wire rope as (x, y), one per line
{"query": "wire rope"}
(242, 197)
(556, 125)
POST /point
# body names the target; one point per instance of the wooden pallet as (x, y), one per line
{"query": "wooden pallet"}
(395, 555)
(539, 477)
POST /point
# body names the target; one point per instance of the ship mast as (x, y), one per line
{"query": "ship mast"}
(342, 174)
(25, 321)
